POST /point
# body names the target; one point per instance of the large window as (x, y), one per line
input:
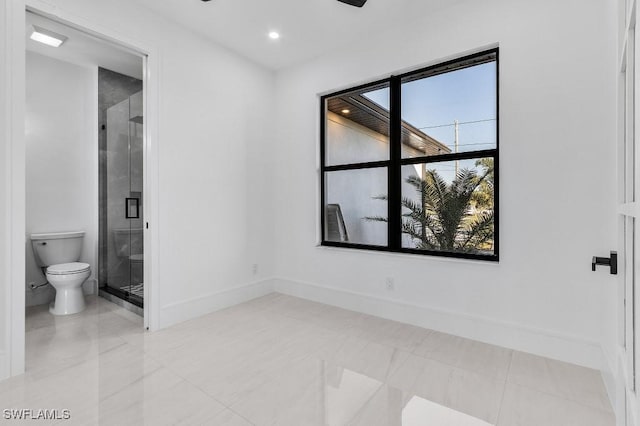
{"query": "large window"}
(410, 163)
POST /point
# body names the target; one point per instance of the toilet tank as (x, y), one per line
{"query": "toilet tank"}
(56, 248)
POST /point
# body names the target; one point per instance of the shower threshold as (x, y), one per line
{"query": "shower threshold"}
(132, 294)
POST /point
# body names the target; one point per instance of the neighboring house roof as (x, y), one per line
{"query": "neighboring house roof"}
(373, 116)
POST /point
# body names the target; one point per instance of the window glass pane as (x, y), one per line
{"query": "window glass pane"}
(450, 112)
(357, 127)
(449, 206)
(356, 206)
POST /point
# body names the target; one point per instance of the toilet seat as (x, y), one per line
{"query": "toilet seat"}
(68, 268)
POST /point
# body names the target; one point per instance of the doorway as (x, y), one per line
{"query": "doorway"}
(75, 159)
(12, 360)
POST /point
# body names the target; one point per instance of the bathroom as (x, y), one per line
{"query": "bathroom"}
(84, 135)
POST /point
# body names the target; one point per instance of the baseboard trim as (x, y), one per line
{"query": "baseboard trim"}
(514, 336)
(177, 312)
(609, 371)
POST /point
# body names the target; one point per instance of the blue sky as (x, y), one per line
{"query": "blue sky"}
(433, 104)
(464, 95)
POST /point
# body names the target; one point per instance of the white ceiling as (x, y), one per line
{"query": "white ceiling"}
(83, 49)
(308, 28)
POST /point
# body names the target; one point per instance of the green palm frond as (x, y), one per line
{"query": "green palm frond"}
(377, 218)
(445, 216)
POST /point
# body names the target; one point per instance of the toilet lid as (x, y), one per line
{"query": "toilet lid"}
(68, 268)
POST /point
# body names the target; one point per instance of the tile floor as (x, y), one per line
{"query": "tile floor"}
(279, 360)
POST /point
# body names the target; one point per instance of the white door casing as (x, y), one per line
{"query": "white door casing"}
(628, 210)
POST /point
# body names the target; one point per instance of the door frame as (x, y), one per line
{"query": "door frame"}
(628, 152)
(14, 116)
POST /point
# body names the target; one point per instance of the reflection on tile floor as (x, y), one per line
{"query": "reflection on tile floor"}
(279, 360)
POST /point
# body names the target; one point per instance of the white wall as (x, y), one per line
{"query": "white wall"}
(61, 161)
(216, 220)
(557, 181)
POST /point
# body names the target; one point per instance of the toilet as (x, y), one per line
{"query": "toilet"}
(59, 254)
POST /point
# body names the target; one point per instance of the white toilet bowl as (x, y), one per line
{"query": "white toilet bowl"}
(67, 279)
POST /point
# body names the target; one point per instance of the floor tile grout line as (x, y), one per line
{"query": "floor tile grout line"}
(504, 389)
(173, 371)
(562, 397)
(468, 370)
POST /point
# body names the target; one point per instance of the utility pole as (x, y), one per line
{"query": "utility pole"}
(455, 142)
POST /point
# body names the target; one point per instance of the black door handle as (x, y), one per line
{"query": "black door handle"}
(612, 262)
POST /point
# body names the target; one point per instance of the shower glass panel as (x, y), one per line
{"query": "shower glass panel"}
(123, 272)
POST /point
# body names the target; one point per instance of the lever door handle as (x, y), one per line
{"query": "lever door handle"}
(611, 262)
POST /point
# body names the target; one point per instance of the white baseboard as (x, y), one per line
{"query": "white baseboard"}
(177, 312)
(5, 366)
(510, 335)
(609, 373)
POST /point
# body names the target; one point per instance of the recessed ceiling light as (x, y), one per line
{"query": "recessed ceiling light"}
(47, 37)
(346, 111)
(274, 35)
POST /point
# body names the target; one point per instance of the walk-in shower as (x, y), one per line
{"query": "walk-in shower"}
(121, 188)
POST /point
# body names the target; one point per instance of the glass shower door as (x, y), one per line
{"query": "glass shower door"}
(124, 199)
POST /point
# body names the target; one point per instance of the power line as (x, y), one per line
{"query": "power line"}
(459, 123)
(478, 143)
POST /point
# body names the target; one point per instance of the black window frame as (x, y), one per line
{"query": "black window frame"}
(395, 162)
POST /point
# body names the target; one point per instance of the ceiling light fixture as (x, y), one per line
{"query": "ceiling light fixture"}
(47, 37)
(274, 35)
(345, 111)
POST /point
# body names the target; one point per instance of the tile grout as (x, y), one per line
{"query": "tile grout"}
(504, 389)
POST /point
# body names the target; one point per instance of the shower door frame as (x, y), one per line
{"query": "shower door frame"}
(108, 286)
(12, 361)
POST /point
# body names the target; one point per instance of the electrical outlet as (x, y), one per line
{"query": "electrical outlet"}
(254, 268)
(390, 284)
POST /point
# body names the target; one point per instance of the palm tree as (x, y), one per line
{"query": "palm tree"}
(448, 218)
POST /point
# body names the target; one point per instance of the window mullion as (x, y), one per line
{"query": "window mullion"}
(395, 167)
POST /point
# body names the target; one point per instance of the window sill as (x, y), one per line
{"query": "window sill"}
(407, 255)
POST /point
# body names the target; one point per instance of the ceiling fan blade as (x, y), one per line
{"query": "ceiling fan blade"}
(356, 3)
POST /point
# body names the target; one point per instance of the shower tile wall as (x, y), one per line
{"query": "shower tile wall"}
(113, 89)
